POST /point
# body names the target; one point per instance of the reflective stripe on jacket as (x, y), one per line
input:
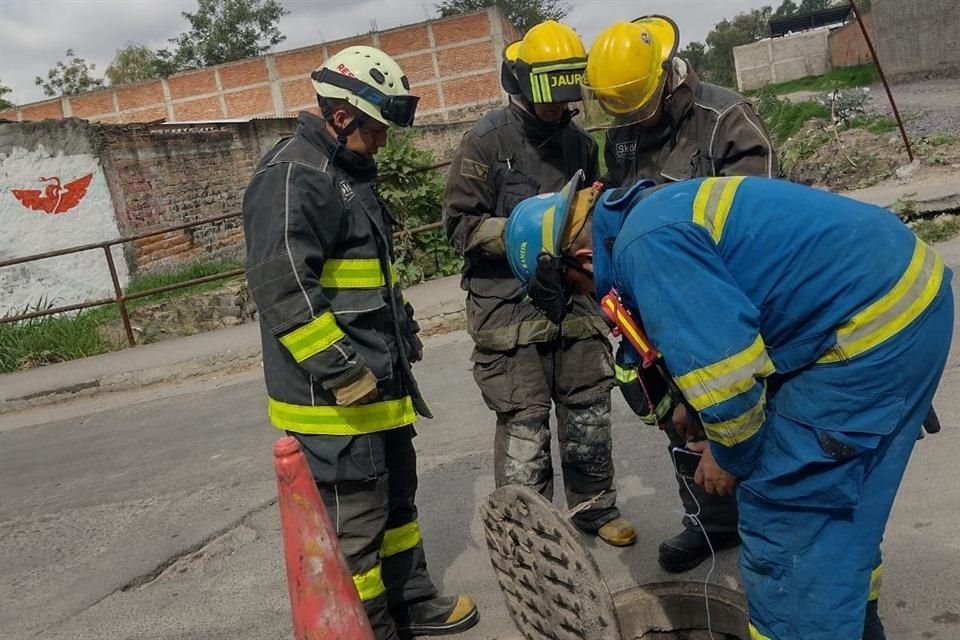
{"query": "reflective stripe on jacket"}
(319, 264)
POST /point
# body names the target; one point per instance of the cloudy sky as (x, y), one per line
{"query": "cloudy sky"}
(35, 34)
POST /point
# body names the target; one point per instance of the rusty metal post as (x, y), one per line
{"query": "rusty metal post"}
(120, 301)
(883, 79)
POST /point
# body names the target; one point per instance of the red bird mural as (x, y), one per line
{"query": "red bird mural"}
(54, 198)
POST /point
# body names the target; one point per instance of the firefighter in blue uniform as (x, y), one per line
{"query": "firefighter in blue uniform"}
(806, 331)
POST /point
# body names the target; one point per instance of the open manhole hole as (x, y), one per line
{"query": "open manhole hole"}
(554, 590)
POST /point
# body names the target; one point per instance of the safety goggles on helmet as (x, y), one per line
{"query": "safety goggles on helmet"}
(627, 71)
(623, 104)
(400, 110)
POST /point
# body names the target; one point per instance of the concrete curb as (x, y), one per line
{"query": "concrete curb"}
(229, 361)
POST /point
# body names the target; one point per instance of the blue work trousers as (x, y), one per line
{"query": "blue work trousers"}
(835, 445)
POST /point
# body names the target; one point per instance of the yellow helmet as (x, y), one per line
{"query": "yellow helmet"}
(628, 66)
(546, 66)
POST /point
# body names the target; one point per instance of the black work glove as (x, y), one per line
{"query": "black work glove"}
(547, 289)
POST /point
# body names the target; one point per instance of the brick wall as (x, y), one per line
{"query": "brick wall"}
(165, 175)
(847, 45)
(452, 63)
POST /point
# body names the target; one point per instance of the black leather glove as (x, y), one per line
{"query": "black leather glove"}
(548, 290)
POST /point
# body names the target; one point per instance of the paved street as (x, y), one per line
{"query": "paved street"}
(150, 513)
(156, 518)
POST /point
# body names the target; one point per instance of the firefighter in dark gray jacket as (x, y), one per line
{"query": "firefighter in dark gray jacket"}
(338, 338)
(525, 364)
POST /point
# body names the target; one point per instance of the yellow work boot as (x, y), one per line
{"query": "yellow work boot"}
(439, 616)
(618, 532)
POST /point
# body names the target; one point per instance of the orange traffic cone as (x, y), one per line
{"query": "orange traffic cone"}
(323, 598)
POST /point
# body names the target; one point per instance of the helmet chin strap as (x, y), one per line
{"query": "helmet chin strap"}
(342, 132)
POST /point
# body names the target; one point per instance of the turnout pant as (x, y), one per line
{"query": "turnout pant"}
(368, 484)
(836, 442)
(521, 386)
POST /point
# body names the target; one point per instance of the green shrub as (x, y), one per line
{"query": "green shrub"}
(416, 199)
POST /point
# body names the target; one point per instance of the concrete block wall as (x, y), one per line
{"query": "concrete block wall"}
(782, 59)
(452, 64)
(54, 194)
(916, 37)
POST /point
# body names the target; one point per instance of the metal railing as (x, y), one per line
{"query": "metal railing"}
(120, 298)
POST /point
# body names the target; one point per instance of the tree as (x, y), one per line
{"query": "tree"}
(4, 103)
(786, 9)
(522, 14)
(133, 63)
(224, 31)
(696, 54)
(743, 29)
(807, 6)
(69, 79)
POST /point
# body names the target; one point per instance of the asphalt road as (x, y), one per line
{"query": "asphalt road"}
(151, 515)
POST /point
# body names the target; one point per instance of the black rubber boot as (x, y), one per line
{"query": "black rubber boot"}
(688, 549)
(440, 616)
(872, 625)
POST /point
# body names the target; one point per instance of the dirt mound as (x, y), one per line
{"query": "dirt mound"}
(860, 159)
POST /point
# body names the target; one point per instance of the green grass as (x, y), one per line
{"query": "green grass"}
(49, 339)
(40, 341)
(784, 119)
(196, 270)
(937, 230)
(858, 76)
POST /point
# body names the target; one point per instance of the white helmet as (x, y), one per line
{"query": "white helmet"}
(371, 81)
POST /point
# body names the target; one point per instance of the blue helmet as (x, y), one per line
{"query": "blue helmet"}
(536, 226)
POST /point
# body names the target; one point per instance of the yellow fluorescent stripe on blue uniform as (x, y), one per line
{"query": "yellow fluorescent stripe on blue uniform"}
(400, 539)
(712, 204)
(876, 582)
(342, 421)
(739, 429)
(756, 635)
(352, 273)
(546, 236)
(313, 337)
(369, 584)
(728, 378)
(897, 308)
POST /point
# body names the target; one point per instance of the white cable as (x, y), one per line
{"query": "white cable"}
(695, 519)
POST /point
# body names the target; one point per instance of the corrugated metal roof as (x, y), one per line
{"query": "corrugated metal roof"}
(806, 21)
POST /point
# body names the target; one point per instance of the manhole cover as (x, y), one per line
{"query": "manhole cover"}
(552, 585)
(554, 590)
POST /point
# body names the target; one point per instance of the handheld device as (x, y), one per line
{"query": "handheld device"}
(686, 461)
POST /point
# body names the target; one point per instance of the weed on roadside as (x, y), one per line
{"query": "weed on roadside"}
(937, 229)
